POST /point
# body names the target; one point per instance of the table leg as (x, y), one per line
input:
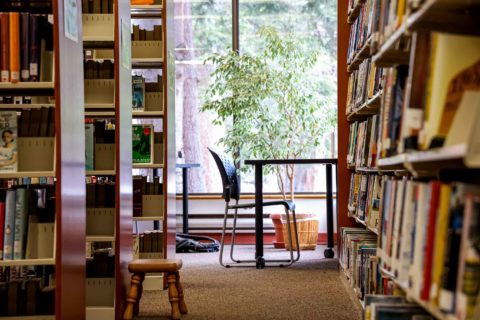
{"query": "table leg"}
(185, 200)
(259, 216)
(329, 251)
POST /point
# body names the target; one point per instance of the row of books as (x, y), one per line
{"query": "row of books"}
(362, 145)
(150, 241)
(26, 223)
(363, 84)
(26, 5)
(97, 6)
(142, 187)
(393, 307)
(29, 182)
(364, 199)
(27, 291)
(25, 100)
(429, 241)
(361, 29)
(36, 122)
(26, 43)
(140, 34)
(101, 261)
(101, 194)
(95, 69)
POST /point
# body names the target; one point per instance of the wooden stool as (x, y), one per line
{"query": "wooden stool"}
(175, 290)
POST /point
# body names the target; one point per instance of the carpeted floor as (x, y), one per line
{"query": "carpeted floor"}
(310, 289)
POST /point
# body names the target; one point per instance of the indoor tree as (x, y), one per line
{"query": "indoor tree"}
(280, 110)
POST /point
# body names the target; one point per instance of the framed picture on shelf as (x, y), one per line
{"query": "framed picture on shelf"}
(142, 143)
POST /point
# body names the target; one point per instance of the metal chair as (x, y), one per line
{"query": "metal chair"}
(231, 190)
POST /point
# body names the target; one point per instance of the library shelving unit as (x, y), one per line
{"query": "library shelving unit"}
(106, 37)
(148, 60)
(416, 120)
(59, 159)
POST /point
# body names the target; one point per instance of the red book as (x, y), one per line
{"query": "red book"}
(2, 226)
(5, 47)
(430, 239)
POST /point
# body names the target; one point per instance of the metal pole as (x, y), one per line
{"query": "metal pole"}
(235, 26)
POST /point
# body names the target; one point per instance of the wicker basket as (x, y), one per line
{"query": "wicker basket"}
(307, 229)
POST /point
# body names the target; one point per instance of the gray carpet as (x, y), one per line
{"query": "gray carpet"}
(310, 289)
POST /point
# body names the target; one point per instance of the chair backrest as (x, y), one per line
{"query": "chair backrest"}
(228, 172)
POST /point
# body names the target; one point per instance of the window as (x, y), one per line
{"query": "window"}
(205, 27)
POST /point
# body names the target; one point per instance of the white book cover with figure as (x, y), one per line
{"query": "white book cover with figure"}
(8, 145)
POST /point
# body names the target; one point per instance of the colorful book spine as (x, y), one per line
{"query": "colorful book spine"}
(4, 47)
(34, 53)
(25, 43)
(14, 47)
(9, 225)
(21, 219)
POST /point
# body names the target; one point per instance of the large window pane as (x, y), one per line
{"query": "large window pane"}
(314, 22)
(201, 28)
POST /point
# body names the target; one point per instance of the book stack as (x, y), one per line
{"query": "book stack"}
(363, 85)
(393, 307)
(362, 147)
(27, 222)
(26, 43)
(140, 34)
(141, 187)
(97, 6)
(27, 5)
(100, 192)
(148, 244)
(364, 199)
(427, 242)
(27, 291)
(99, 144)
(100, 260)
(95, 69)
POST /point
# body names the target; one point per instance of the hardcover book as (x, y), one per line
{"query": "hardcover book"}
(138, 93)
(142, 143)
(8, 147)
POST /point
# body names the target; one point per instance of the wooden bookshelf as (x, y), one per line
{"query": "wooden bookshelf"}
(355, 11)
(361, 55)
(401, 53)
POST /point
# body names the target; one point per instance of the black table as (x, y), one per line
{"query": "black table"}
(185, 167)
(258, 164)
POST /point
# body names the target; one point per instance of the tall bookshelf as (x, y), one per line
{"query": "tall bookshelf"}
(107, 58)
(64, 168)
(419, 164)
(155, 64)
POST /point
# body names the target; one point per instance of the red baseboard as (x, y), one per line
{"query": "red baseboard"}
(249, 238)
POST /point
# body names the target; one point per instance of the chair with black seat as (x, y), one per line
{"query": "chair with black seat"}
(231, 191)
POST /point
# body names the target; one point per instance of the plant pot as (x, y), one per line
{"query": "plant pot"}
(279, 242)
(307, 230)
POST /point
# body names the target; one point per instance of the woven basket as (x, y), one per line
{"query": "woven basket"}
(307, 229)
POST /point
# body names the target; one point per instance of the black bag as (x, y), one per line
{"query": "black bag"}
(188, 244)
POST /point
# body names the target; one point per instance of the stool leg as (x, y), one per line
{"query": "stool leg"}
(173, 295)
(136, 309)
(132, 296)
(181, 300)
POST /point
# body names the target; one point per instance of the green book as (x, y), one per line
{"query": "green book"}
(142, 143)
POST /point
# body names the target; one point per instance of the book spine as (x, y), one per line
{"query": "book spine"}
(24, 68)
(4, 46)
(2, 227)
(14, 47)
(9, 225)
(21, 218)
(34, 53)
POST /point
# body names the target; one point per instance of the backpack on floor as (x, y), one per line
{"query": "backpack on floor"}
(188, 244)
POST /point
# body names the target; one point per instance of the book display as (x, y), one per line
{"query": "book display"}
(108, 156)
(412, 100)
(153, 135)
(41, 224)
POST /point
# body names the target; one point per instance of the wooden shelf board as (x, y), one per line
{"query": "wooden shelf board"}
(100, 238)
(92, 38)
(354, 13)
(388, 55)
(395, 162)
(147, 166)
(386, 274)
(438, 155)
(27, 85)
(374, 230)
(100, 172)
(23, 174)
(96, 106)
(100, 114)
(366, 170)
(360, 56)
(46, 317)
(27, 262)
(147, 114)
(446, 16)
(368, 109)
(363, 223)
(159, 218)
(26, 106)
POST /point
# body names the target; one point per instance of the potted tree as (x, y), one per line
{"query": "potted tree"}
(279, 108)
